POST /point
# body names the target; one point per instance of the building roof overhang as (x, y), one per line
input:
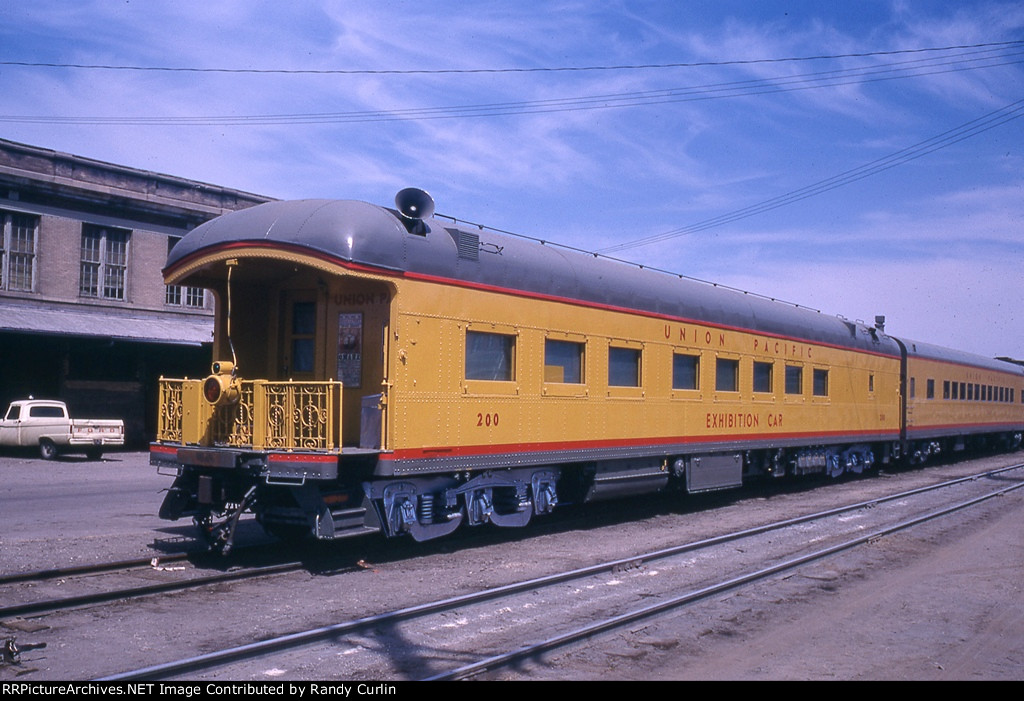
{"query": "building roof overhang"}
(109, 324)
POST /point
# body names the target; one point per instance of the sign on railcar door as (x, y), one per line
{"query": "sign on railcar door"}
(359, 313)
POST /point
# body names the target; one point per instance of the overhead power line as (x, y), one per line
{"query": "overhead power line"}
(967, 60)
(1010, 112)
(538, 69)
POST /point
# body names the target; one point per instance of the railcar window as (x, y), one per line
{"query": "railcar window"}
(871, 383)
(303, 336)
(727, 375)
(820, 381)
(945, 389)
(563, 361)
(963, 390)
(623, 367)
(930, 389)
(685, 371)
(762, 377)
(490, 356)
(794, 379)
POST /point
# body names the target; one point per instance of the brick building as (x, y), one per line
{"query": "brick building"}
(84, 314)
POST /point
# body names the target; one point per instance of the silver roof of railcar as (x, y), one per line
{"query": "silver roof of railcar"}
(366, 234)
(928, 351)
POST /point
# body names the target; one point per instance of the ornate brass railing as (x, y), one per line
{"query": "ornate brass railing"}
(267, 416)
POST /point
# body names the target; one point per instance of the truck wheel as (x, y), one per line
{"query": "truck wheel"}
(47, 450)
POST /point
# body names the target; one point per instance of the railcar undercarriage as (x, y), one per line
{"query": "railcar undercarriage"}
(425, 507)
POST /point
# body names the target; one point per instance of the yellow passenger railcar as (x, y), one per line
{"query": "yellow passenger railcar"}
(387, 370)
(955, 399)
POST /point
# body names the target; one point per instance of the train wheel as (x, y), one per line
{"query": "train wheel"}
(204, 524)
(834, 466)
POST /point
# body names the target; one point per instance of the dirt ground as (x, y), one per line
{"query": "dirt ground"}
(942, 602)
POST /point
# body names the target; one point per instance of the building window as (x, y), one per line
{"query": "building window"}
(685, 371)
(563, 361)
(178, 296)
(820, 380)
(794, 379)
(104, 264)
(490, 356)
(623, 367)
(762, 377)
(18, 251)
(727, 375)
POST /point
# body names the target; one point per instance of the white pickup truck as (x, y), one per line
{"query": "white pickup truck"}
(45, 424)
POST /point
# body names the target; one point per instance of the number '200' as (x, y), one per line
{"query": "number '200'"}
(487, 419)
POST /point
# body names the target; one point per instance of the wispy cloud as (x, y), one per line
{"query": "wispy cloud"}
(589, 177)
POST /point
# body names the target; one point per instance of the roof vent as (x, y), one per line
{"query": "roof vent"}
(467, 243)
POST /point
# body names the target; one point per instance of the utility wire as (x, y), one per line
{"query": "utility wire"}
(539, 69)
(970, 60)
(993, 119)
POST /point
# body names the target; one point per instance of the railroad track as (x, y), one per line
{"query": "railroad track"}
(180, 577)
(604, 602)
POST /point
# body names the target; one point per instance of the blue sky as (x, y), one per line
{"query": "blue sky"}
(590, 158)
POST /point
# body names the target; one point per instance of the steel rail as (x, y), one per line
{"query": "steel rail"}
(309, 636)
(56, 572)
(36, 607)
(613, 622)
